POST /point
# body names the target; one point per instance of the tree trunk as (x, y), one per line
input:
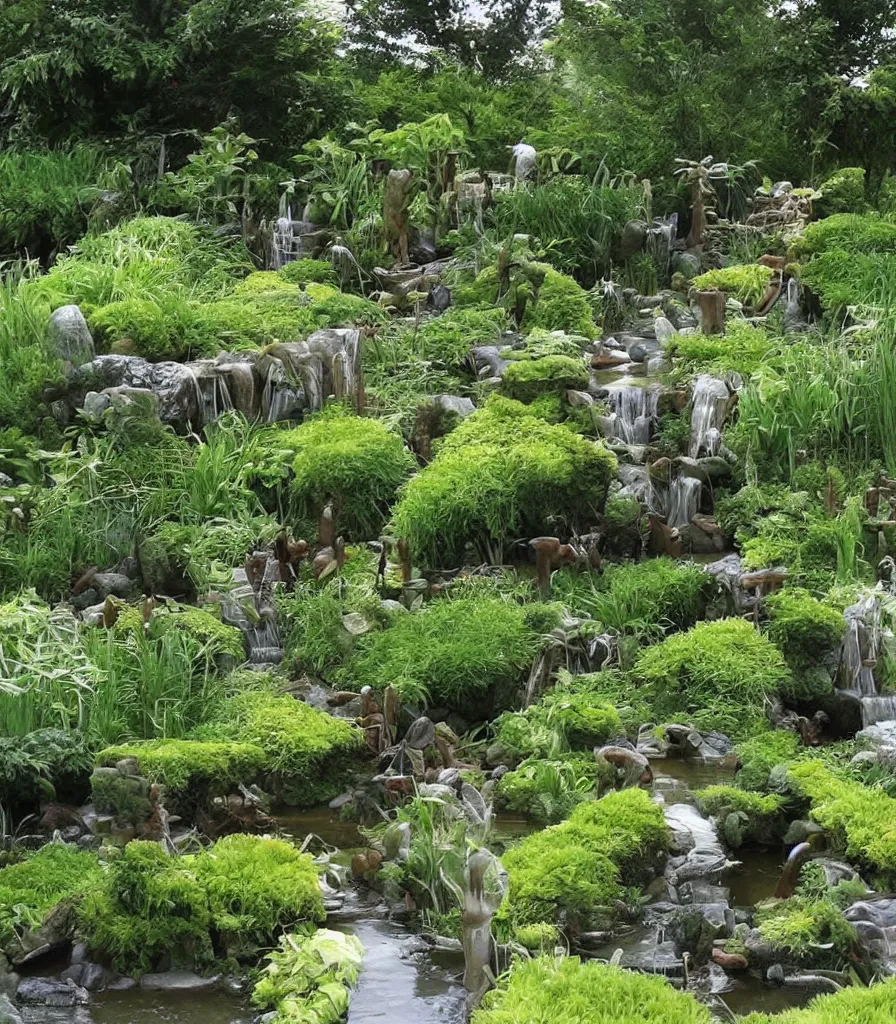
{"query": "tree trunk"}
(712, 311)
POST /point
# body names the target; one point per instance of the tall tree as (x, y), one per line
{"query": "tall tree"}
(489, 36)
(88, 67)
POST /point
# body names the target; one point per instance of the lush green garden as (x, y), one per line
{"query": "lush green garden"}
(403, 412)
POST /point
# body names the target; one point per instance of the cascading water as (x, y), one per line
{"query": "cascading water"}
(634, 411)
(862, 647)
(636, 483)
(683, 500)
(710, 407)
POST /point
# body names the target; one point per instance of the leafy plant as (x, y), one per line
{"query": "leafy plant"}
(746, 283)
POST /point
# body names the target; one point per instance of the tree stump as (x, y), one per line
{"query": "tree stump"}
(712, 311)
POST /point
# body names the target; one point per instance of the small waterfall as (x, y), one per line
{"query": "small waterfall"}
(264, 644)
(636, 483)
(708, 416)
(878, 709)
(634, 412)
(683, 500)
(279, 399)
(240, 391)
(861, 647)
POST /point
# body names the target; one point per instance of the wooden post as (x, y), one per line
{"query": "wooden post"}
(712, 311)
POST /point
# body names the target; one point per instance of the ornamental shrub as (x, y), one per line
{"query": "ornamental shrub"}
(45, 764)
(566, 990)
(356, 463)
(462, 652)
(848, 232)
(499, 476)
(843, 192)
(717, 675)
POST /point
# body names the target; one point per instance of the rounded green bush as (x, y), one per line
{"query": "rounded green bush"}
(499, 476)
(457, 652)
(569, 991)
(747, 282)
(717, 675)
(356, 463)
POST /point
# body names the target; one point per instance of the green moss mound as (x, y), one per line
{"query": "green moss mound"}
(546, 790)
(189, 766)
(31, 889)
(501, 475)
(843, 192)
(860, 820)
(741, 349)
(760, 754)
(807, 632)
(569, 991)
(744, 817)
(308, 751)
(357, 463)
(576, 870)
(449, 338)
(848, 232)
(462, 652)
(257, 886)
(307, 271)
(746, 283)
(569, 717)
(813, 932)
(874, 1005)
(718, 675)
(527, 379)
(149, 909)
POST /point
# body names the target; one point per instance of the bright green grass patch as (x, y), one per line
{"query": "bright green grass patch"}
(569, 991)
(459, 652)
(31, 889)
(717, 675)
(741, 349)
(874, 1005)
(501, 475)
(577, 869)
(860, 820)
(813, 932)
(746, 283)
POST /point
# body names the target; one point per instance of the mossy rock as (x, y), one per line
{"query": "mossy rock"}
(527, 379)
(309, 756)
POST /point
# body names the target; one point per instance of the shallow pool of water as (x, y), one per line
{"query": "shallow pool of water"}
(753, 996)
(694, 774)
(757, 878)
(323, 823)
(139, 1007)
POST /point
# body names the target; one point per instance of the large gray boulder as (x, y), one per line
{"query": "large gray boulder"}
(69, 337)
